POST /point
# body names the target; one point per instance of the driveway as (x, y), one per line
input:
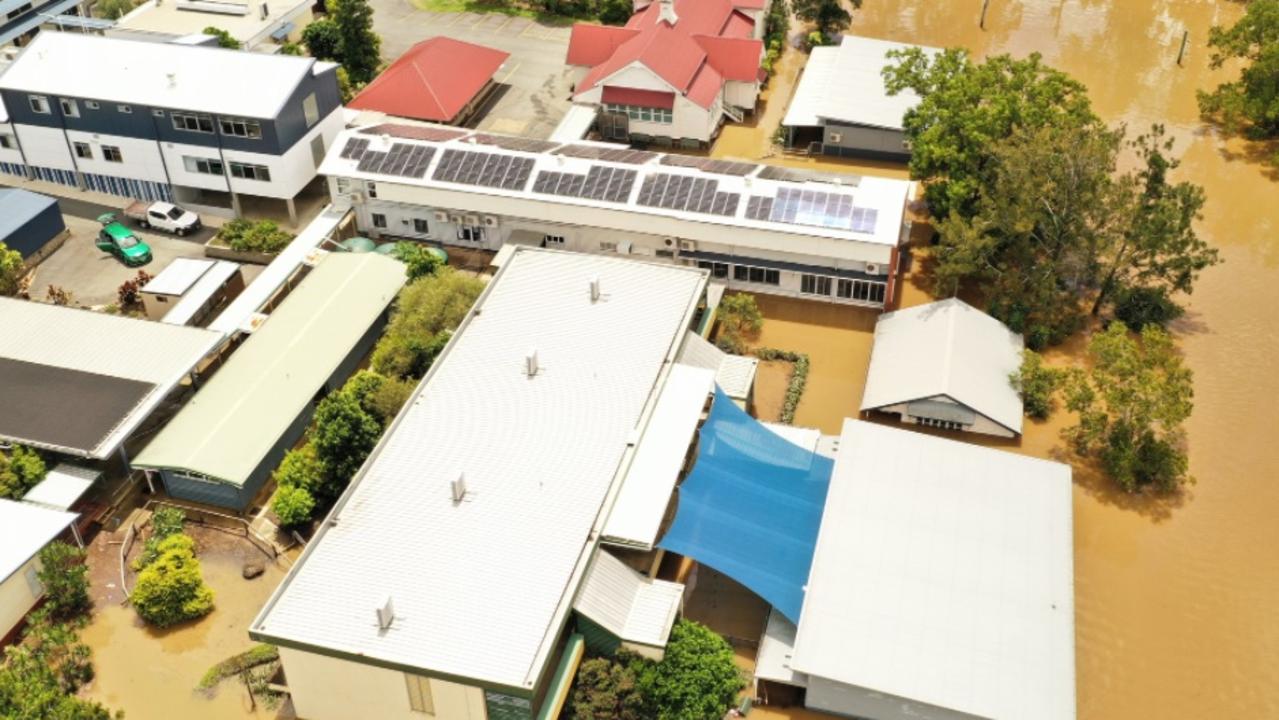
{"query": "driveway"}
(533, 86)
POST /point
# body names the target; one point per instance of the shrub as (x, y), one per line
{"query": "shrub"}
(293, 505)
(739, 321)
(171, 589)
(426, 312)
(165, 521)
(224, 38)
(343, 435)
(129, 294)
(1141, 306)
(21, 471)
(1036, 384)
(696, 679)
(59, 295)
(65, 579)
(259, 654)
(418, 259)
(385, 402)
(605, 689)
(263, 236)
(40, 675)
(300, 468)
(798, 379)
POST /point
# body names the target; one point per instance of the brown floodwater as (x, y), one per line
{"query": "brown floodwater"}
(1174, 598)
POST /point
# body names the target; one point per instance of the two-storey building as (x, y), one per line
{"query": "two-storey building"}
(160, 121)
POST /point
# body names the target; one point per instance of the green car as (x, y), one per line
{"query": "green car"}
(121, 242)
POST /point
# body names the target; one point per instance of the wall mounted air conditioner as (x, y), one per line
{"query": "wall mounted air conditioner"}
(472, 219)
(490, 221)
(455, 219)
(687, 245)
(357, 197)
(837, 137)
(441, 216)
(872, 269)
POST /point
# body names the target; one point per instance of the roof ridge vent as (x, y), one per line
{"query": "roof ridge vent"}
(531, 365)
(595, 289)
(386, 614)
(458, 488)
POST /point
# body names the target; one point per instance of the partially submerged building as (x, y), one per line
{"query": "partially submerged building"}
(227, 440)
(946, 364)
(461, 569)
(81, 383)
(27, 529)
(828, 237)
(941, 586)
(438, 80)
(841, 106)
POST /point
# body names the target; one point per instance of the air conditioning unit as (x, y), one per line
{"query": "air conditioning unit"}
(837, 137)
(455, 219)
(357, 197)
(490, 221)
(872, 269)
(687, 245)
(472, 219)
(441, 216)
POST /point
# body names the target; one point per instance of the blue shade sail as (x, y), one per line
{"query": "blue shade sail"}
(751, 506)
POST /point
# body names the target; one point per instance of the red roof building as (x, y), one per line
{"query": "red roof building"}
(439, 80)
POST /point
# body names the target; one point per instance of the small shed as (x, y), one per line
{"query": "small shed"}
(27, 529)
(30, 223)
(188, 290)
(438, 80)
(63, 489)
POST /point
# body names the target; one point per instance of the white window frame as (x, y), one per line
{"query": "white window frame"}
(70, 108)
(6, 141)
(240, 127)
(40, 104)
(83, 150)
(249, 171)
(310, 110)
(815, 284)
(470, 233)
(192, 122)
(126, 109)
(421, 226)
(203, 166)
(553, 240)
(109, 150)
(378, 220)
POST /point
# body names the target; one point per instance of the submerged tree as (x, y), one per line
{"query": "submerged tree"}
(171, 589)
(1253, 99)
(829, 17)
(65, 579)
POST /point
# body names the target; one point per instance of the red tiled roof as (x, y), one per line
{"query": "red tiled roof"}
(590, 45)
(671, 55)
(705, 87)
(734, 58)
(738, 26)
(434, 80)
(639, 98)
(694, 17)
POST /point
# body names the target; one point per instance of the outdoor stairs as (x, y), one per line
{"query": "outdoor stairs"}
(734, 114)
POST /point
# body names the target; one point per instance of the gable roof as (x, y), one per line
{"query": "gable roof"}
(845, 83)
(27, 529)
(734, 58)
(589, 45)
(434, 80)
(631, 606)
(693, 17)
(945, 348)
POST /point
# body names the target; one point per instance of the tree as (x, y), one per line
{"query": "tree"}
(696, 679)
(12, 270)
(114, 9)
(129, 294)
(385, 402)
(40, 675)
(292, 49)
(739, 321)
(165, 521)
(965, 108)
(1158, 246)
(323, 39)
(426, 312)
(360, 47)
(418, 259)
(605, 689)
(343, 435)
(65, 579)
(171, 589)
(224, 38)
(1036, 384)
(1253, 99)
(829, 17)
(1131, 408)
(22, 470)
(346, 89)
(1138, 307)
(293, 505)
(300, 468)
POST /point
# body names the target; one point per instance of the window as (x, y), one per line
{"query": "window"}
(157, 113)
(343, 185)
(250, 172)
(552, 240)
(756, 275)
(191, 123)
(39, 104)
(240, 127)
(943, 424)
(126, 109)
(379, 220)
(814, 285)
(471, 233)
(111, 153)
(420, 227)
(608, 246)
(82, 150)
(420, 699)
(370, 189)
(865, 290)
(69, 107)
(6, 141)
(661, 116)
(718, 269)
(310, 110)
(92, 104)
(203, 166)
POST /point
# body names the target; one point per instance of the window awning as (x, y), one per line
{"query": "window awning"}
(282, 33)
(613, 95)
(630, 606)
(752, 506)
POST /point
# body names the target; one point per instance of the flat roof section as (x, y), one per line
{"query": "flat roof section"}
(27, 528)
(52, 407)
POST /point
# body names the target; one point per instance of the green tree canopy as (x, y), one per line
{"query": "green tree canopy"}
(829, 17)
(12, 269)
(1253, 99)
(40, 675)
(20, 471)
(323, 39)
(171, 589)
(418, 259)
(114, 9)
(165, 521)
(224, 38)
(1131, 407)
(343, 434)
(696, 680)
(1036, 383)
(360, 47)
(65, 579)
(293, 505)
(739, 320)
(967, 107)
(605, 689)
(426, 312)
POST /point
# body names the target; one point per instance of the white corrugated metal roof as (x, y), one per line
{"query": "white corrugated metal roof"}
(806, 438)
(241, 413)
(62, 486)
(103, 344)
(178, 276)
(199, 293)
(164, 75)
(575, 124)
(646, 490)
(633, 607)
(273, 276)
(735, 374)
(945, 348)
(846, 83)
(776, 646)
(24, 529)
(492, 577)
(944, 574)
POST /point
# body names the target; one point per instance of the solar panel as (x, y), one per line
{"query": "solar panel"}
(690, 194)
(354, 148)
(710, 165)
(415, 132)
(607, 154)
(759, 207)
(403, 160)
(520, 144)
(483, 169)
(599, 183)
(813, 207)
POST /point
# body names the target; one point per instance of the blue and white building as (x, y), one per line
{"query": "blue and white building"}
(18, 18)
(196, 125)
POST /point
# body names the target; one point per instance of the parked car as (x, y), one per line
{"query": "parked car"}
(162, 216)
(121, 242)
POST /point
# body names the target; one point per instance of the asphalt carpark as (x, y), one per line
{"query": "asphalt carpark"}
(533, 86)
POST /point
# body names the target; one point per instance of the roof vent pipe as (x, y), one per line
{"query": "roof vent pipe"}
(666, 12)
(386, 614)
(595, 289)
(458, 488)
(173, 79)
(530, 363)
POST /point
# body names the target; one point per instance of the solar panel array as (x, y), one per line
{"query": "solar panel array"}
(607, 154)
(599, 183)
(797, 175)
(484, 169)
(720, 167)
(415, 132)
(692, 194)
(812, 207)
(510, 142)
(354, 148)
(402, 159)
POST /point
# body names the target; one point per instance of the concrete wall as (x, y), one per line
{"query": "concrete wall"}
(857, 702)
(325, 688)
(16, 597)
